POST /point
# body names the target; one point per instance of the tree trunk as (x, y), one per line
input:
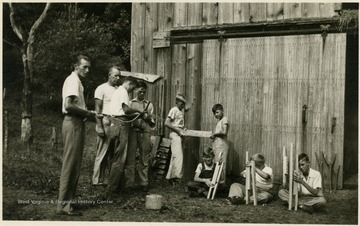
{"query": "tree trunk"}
(26, 121)
(28, 40)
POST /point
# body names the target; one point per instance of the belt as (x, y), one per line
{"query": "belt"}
(73, 115)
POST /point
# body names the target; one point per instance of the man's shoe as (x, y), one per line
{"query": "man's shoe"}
(308, 209)
(144, 188)
(237, 201)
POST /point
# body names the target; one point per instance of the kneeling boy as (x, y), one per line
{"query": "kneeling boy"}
(310, 192)
(263, 175)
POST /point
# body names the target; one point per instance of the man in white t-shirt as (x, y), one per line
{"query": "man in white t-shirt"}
(103, 94)
(310, 191)
(73, 130)
(264, 183)
(119, 108)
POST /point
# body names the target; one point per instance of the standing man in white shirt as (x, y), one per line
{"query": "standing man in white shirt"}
(311, 196)
(119, 107)
(73, 132)
(103, 94)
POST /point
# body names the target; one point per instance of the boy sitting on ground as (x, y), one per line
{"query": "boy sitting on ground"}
(310, 192)
(203, 175)
(264, 184)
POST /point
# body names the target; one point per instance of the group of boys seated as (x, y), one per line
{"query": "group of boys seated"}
(309, 183)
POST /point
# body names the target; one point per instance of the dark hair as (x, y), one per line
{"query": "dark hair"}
(303, 156)
(217, 107)
(142, 84)
(208, 151)
(258, 157)
(79, 58)
(132, 80)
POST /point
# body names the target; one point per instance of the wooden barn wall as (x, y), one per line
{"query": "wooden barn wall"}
(264, 84)
(195, 69)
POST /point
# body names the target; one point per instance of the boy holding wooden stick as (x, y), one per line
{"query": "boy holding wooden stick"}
(310, 192)
(263, 178)
(219, 136)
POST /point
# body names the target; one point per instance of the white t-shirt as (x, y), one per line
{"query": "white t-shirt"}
(177, 117)
(119, 97)
(199, 168)
(262, 183)
(104, 92)
(313, 180)
(73, 87)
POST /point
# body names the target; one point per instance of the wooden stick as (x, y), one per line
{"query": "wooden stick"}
(291, 167)
(253, 182)
(196, 133)
(146, 77)
(215, 178)
(247, 181)
(296, 184)
(285, 170)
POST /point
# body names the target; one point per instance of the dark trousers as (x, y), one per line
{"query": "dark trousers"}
(120, 133)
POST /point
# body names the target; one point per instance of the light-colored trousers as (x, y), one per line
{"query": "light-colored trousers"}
(176, 159)
(120, 133)
(73, 132)
(141, 140)
(221, 145)
(103, 151)
(303, 200)
(239, 190)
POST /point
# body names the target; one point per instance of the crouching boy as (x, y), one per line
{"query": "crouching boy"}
(263, 177)
(309, 190)
(203, 176)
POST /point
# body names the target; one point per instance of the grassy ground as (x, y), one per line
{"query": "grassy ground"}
(31, 178)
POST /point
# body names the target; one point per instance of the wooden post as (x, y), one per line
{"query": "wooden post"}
(253, 182)
(247, 181)
(291, 168)
(285, 166)
(296, 184)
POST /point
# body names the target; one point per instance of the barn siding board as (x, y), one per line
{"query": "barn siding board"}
(210, 13)
(180, 14)
(150, 65)
(138, 39)
(275, 11)
(310, 10)
(327, 10)
(241, 12)
(226, 13)
(292, 10)
(257, 12)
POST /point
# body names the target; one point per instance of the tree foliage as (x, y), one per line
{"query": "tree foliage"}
(72, 32)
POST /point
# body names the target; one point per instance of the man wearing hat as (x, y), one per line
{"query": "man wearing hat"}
(175, 122)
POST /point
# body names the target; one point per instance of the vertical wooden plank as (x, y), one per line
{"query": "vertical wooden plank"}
(241, 12)
(150, 65)
(327, 9)
(210, 13)
(226, 13)
(292, 10)
(180, 14)
(257, 12)
(137, 34)
(275, 11)
(165, 22)
(311, 10)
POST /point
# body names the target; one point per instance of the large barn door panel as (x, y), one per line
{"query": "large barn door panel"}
(326, 103)
(277, 91)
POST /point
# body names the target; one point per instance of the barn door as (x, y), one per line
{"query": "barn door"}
(265, 82)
